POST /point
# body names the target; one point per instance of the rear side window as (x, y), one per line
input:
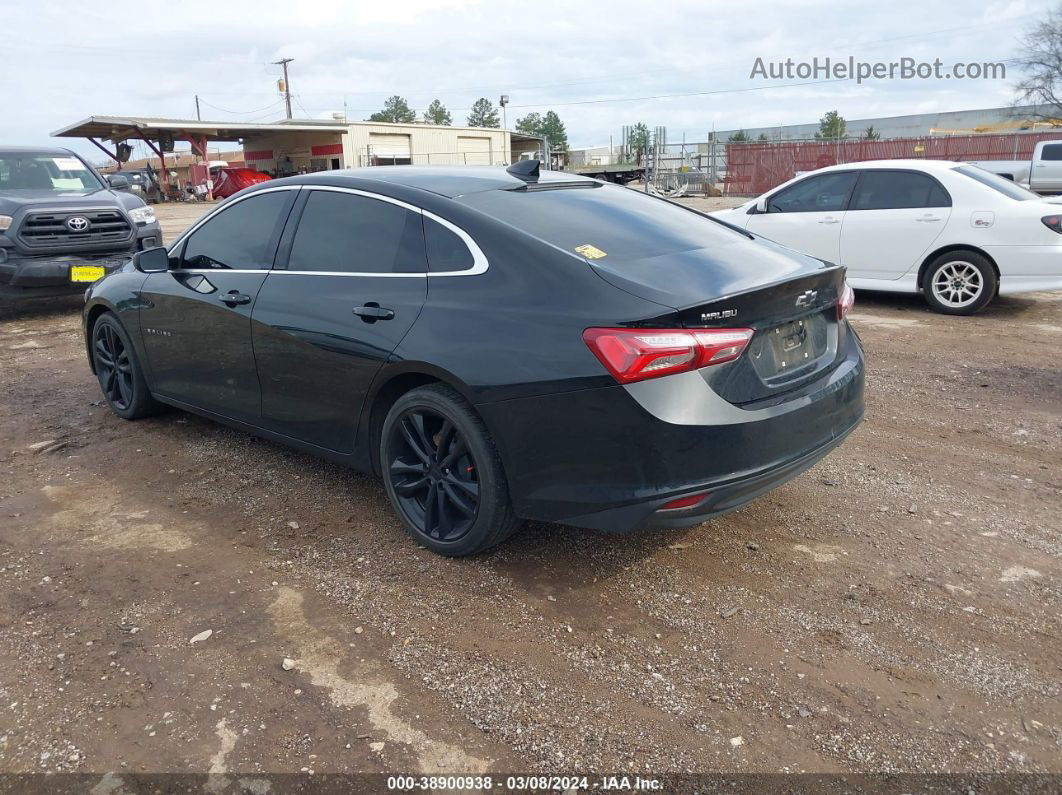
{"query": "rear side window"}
(241, 237)
(606, 222)
(823, 193)
(1051, 152)
(893, 190)
(446, 251)
(344, 233)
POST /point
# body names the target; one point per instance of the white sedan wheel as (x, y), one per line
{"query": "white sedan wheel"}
(957, 284)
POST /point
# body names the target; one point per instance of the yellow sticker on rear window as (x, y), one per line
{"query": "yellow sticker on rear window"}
(590, 252)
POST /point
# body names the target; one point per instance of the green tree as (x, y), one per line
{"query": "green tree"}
(531, 124)
(870, 134)
(483, 114)
(739, 137)
(832, 127)
(554, 132)
(763, 137)
(395, 109)
(437, 114)
(637, 143)
(549, 127)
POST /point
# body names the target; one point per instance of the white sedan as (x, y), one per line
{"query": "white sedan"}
(951, 231)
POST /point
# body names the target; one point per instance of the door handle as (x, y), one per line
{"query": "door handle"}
(372, 312)
(234, 298)
(830, 221)
(928, 219)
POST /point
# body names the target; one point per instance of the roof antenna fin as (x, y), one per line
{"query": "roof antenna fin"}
(526, 170)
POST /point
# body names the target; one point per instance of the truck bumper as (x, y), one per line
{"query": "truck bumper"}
(47, 276)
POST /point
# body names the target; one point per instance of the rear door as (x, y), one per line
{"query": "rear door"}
(1047, 168)
(807, 215)
(196, 317)
(351, 280)
(893, 219)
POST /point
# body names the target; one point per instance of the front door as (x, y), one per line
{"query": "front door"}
(196, 317)
(892, 221)
(807, 215)
(354, 282)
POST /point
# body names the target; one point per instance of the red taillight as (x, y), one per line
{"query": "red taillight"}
(637, 354)
(846, 301)
(1053, 222)
(684, 502)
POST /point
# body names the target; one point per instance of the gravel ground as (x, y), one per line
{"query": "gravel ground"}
(894, 609)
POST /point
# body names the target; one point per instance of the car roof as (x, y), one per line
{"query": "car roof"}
(449, 181)
(915, 164)
(34, 150)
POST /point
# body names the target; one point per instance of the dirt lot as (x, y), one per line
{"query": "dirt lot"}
(895, 608)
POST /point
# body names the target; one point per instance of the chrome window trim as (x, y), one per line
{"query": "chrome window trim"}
(479, 259)
(219, 209)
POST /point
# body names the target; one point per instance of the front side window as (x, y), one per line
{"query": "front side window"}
(25, 172)
(345, 233)
(241, 237)
(894, 190)
(823, 193)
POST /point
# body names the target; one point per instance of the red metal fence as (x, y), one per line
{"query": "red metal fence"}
(755, 167)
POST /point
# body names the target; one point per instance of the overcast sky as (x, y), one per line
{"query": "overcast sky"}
(64, 61)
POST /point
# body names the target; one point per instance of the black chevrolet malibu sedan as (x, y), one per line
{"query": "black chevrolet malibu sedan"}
(497, 344)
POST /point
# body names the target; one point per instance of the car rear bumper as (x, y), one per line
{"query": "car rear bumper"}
(1024, 269)
(606, 459)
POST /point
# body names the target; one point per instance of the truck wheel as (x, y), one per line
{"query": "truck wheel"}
(118, 371)
(959, 283)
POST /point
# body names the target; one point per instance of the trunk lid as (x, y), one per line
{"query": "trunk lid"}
(788, 299)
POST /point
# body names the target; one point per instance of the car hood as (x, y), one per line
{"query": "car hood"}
(11, 202)
(687, 278)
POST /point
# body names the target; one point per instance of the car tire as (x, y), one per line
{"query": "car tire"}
(959, 283)
(443, 474)
(118, 371)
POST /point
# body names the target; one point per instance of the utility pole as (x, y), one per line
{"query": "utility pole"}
(197, 108)
(283, 62)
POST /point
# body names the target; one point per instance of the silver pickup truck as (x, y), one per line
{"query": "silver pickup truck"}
(1041, 173)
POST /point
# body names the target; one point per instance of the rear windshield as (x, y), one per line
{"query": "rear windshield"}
(604, 221)
(997, 183)
(56, 174)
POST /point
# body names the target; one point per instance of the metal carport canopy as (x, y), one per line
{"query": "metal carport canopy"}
(198, 133)
(120, 128)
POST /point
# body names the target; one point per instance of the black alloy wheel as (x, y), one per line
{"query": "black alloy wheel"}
(433, 474)
(113, 366)
(443, 474)
(118, 370)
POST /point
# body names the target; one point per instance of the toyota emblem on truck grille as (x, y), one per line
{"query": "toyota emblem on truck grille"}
(77, 223)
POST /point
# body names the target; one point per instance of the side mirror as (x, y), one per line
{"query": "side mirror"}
(152, 260)
(118, 181)
(761, 204)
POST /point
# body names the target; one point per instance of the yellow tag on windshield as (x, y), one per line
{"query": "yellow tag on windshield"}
(590, 252)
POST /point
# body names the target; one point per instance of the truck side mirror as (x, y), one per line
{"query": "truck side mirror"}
(761, 204)
(152, 260)
(118, 181)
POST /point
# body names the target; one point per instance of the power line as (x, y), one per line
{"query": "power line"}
(272, 104)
